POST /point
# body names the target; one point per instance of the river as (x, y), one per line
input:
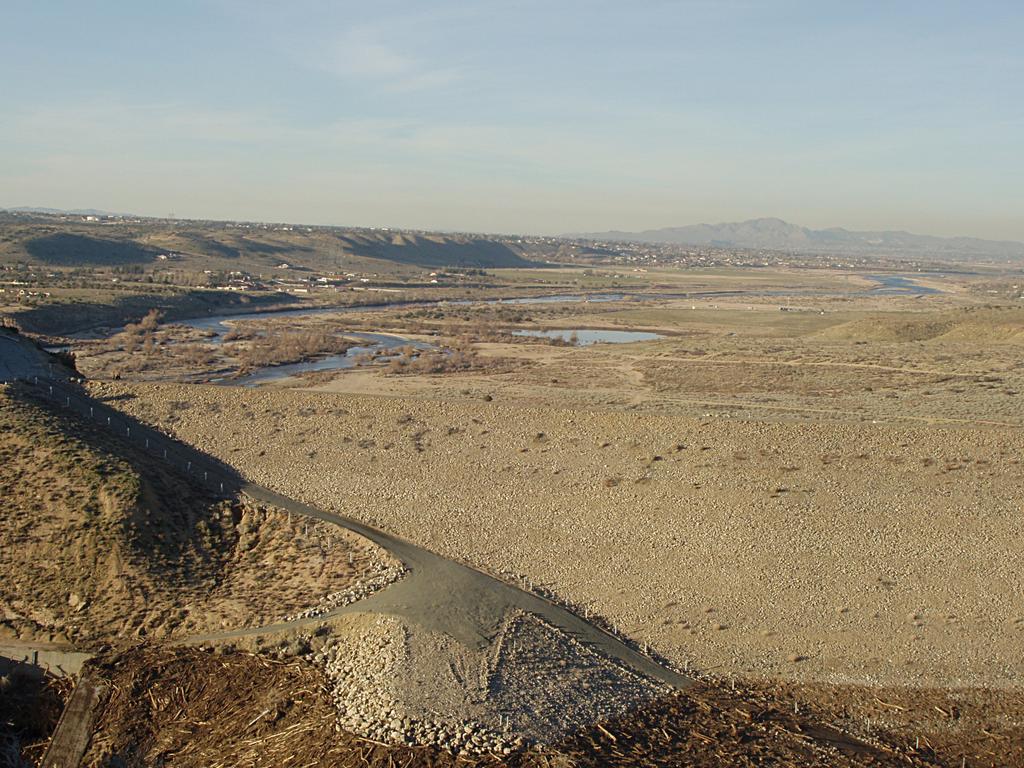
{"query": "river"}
(378, 343)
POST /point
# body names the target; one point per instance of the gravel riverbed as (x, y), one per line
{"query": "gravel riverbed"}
(852, 553)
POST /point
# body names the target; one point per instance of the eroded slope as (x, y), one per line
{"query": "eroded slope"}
(100, 542)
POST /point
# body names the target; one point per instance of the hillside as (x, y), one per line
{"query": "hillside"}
(776, 234)
(69, 241)
(21, 358)
(102, 543)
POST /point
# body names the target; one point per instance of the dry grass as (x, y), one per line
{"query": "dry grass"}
(193, 708)
(102, 542)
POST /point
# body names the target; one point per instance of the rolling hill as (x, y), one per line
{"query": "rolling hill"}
(52, 240)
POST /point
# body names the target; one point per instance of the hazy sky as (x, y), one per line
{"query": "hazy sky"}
(520, 116)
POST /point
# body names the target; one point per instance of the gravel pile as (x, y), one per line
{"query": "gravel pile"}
(397, 683)
(366, 670)
(552, 686)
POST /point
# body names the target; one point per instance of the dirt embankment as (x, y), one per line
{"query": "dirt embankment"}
(101, 543)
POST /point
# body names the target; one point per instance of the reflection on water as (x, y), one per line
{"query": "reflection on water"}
(378, 343)
(596, 298)
(899, 285)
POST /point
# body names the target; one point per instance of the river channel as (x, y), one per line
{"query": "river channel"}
(381, 344)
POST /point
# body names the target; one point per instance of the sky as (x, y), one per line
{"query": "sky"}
(520, 116)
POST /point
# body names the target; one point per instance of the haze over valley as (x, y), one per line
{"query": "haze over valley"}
(777, 234)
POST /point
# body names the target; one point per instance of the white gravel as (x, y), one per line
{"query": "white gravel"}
(396, 683)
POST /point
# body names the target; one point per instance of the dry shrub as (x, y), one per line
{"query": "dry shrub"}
(290, 347)
(459, 358)
(141, 333)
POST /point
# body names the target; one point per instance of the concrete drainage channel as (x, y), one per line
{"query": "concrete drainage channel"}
(436, 594)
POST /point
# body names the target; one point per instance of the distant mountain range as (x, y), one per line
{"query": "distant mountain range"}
(776, 234)
(767, 233)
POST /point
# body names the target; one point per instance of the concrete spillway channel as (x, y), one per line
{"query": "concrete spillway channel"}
(445, 596)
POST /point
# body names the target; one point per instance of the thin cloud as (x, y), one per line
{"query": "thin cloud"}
(362, 53)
